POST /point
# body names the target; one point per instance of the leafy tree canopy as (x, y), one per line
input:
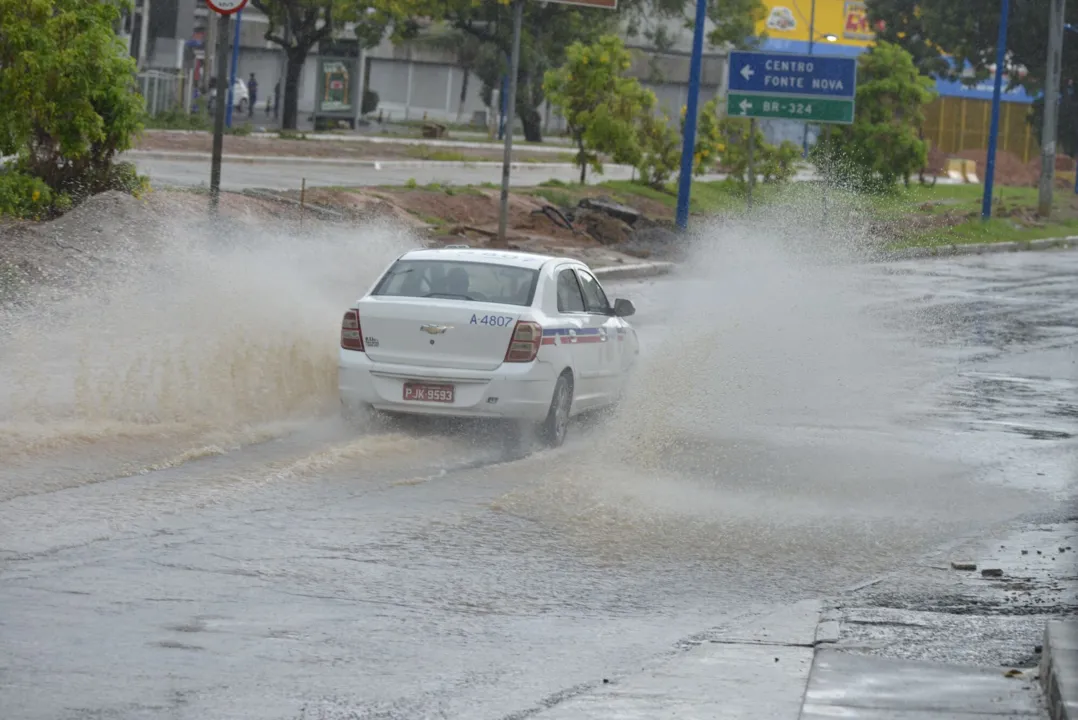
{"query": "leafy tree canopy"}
(69, 100)
(883, 145)
(600, 105)
(968, 32)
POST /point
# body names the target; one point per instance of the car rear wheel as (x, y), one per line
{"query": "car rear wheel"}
(556, 426)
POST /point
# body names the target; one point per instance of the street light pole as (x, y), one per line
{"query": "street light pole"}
(507, 158)
(997, 94)
(688, 141)
(232, 71)
(1049, 130)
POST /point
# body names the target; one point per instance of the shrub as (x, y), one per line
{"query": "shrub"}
(25, 196)
(70, 101)
(370, 102)
(775, 164)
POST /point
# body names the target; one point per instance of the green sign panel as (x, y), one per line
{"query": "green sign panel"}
(817, 109)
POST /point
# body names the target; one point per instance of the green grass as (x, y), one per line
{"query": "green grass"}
(177, 120)
(426, 152)
(993, 231)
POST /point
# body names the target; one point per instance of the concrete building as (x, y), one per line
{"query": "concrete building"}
(412, 80)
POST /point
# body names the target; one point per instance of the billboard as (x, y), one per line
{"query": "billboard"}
(787, 22)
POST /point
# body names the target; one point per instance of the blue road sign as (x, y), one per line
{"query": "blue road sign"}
(793, 75)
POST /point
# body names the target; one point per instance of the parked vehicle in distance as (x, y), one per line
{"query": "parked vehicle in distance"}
(476, 333)
(240, 96)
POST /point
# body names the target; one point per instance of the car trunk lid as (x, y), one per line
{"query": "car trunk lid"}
(432, 332)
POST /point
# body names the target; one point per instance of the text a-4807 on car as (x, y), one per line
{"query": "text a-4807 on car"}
(462, 332)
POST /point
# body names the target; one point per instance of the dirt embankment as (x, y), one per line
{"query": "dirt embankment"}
(1012, 172)
(103, 233)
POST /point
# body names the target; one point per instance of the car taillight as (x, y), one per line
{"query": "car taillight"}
(524, 346)
(351, 333)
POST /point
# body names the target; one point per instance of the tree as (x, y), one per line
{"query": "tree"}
(776, 163)
(600, 105)
(968, 31)
(70, 102)
(298, 25)
(884, 143)
(550, 28)
(901, 22)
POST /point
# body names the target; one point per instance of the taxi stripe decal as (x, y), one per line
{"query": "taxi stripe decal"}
(575, 336)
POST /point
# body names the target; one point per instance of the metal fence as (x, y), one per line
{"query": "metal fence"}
(957, 124)
(164, 91)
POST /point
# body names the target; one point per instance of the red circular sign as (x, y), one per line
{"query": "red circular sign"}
(226, 7)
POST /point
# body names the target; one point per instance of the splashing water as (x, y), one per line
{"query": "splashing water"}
(199, 329)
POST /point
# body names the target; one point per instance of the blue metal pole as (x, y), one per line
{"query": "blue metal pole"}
(235, 62)
(688, 145)
(997, 94)
(812, 46)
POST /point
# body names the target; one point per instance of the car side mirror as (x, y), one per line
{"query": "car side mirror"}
(624, 308)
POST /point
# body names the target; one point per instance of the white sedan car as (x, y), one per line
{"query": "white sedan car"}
(475, 333)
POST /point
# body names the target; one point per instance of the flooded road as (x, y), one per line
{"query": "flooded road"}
(794, 430)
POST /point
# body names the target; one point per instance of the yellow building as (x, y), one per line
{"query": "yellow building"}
(842, 25)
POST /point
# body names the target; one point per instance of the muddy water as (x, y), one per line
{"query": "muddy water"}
(209, 344)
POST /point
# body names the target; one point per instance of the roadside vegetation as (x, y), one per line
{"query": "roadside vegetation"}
(69, 105)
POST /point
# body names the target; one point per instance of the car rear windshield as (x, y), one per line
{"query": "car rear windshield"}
(460, 280)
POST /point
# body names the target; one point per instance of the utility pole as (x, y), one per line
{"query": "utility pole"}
(1049, 130)
(507, 156)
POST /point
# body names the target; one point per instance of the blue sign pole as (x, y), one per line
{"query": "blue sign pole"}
(235, 62)
(688, 143)
(997, 94)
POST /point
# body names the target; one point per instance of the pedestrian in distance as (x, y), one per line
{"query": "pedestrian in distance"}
(276, 98)
(252, 90)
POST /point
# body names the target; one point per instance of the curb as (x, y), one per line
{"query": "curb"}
(376, 164)
(634, 271)
(1060, 243)
(1059, 669)
(474, 144)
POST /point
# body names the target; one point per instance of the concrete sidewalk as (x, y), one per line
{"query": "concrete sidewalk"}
(877, 688)
(757, 671)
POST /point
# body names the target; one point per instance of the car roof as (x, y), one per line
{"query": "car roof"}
(532, 261)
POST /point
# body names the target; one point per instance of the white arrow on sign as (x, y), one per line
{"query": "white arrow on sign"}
(747, 72)
(745, 107)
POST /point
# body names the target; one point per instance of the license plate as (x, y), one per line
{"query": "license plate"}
(421, 392)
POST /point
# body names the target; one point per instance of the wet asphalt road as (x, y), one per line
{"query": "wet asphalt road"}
(794, 432)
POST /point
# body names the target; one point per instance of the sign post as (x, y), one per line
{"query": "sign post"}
(224, 10)
(510, 112)
(997, 96)
(688, 138)
(810, 88)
